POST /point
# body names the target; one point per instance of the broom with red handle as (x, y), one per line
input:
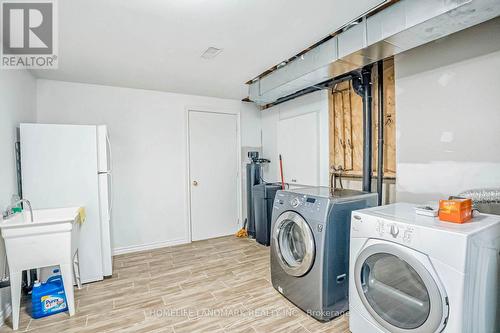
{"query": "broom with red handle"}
(281, 172)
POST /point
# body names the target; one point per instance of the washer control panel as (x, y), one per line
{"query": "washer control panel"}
(310, 206)
(306, 203)
(295, 202)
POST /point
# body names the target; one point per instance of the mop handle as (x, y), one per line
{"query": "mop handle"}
(281, 172)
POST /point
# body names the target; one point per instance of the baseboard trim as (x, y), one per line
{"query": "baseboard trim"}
(150, 246)
(5, 313)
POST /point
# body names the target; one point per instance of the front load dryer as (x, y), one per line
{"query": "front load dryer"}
(415, 274)
(310, 247)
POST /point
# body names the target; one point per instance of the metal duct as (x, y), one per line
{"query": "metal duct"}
(400, 27)
(486, 200)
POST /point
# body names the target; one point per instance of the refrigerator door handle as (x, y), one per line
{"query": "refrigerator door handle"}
(110, 194)
(110, 162)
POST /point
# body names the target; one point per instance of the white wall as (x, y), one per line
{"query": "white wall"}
(448, 115)
(148, 137)
(251, 135)
(314, 102)
(252, 131)
(17, 104)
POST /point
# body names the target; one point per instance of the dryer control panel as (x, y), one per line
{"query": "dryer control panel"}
(382, 228)
(395, 231)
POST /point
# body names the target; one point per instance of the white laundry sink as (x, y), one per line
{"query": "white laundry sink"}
(41, 243)
(44, 220)
(51, 239)
(41, 236)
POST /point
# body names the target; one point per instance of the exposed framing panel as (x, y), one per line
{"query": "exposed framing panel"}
(346, 126)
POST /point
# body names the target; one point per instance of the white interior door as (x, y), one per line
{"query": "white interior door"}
(213, 159)
(298, 144)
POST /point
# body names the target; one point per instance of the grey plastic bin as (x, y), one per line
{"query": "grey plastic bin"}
(263, 198)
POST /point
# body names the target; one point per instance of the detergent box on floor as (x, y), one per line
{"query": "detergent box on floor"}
(48, 298)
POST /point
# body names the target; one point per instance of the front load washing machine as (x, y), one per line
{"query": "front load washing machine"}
(415, 274)
(310, 247)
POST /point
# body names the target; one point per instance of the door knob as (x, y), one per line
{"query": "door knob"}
(195, 183)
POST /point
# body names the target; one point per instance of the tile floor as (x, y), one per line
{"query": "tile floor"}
(217, 285)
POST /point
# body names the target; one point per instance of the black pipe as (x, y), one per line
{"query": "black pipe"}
(381, 122)
(320, 86)
(357, 85)
(366, 75)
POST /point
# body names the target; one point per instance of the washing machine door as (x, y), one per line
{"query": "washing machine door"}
(293, 243)
(398, 290)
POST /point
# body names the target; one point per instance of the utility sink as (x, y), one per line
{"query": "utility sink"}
(50, 240)
(44, 220)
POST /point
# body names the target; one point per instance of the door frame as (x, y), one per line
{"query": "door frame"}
(211, 110)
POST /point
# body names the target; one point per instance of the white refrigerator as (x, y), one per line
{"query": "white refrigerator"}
(70, 165)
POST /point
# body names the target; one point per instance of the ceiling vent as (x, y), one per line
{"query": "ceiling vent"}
(211, 53)
(400, 27)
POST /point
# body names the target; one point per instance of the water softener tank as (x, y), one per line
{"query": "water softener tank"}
(254, 177)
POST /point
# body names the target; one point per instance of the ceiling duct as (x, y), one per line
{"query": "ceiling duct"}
(400, 27)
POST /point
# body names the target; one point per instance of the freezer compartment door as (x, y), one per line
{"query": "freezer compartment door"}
(106, 207)
(103, 149)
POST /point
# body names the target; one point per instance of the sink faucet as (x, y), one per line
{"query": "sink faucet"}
(8, 211)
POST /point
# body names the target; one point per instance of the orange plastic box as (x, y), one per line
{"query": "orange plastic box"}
(456, 210)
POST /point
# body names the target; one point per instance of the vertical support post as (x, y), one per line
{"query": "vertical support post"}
(380, 151)
(366, 75)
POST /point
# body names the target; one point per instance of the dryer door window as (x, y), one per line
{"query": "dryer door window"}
(398, 291)
(294, 243)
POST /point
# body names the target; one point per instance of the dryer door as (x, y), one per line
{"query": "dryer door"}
(398, 290)
(293, 243)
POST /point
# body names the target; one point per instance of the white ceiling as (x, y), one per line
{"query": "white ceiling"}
(157, 44)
